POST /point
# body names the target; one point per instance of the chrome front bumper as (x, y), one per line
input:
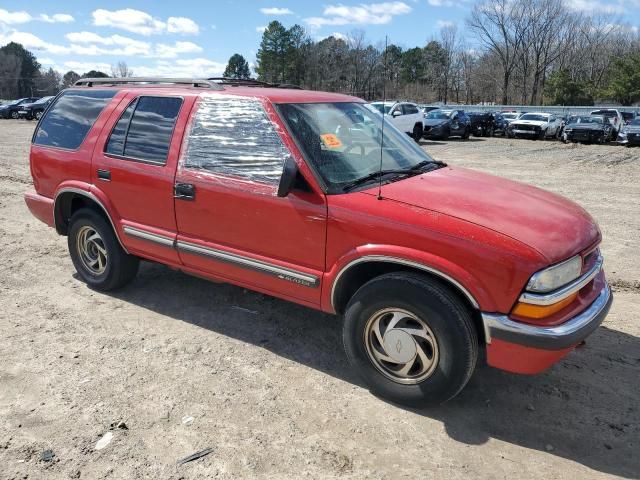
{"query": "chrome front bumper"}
(558, 337)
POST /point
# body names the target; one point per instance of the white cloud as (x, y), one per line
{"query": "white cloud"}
(276, 11)
(363, 14)
(261, 29)
(83, 67)
(172, 51)
(137, 21)
(594, 6)
(32, 42)
(195, 67)
(57, 18)
(440, 3)
(182, 25)
(444, 23)
(11, 18)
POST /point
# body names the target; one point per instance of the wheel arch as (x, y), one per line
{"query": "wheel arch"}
(361, 270)
(68, 200)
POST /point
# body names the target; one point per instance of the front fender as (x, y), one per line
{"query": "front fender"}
(452, 273)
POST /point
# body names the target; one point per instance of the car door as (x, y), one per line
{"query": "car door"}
(134, 165)
(231, 223)
(399, 119)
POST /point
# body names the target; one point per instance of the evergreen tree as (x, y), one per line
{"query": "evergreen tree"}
(29, 68)
(69, 79)
(274, 54)
(237, 67)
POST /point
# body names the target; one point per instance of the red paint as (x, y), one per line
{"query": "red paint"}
(521, 359)
(486, 233)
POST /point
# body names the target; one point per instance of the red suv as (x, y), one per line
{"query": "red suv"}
(304, 196)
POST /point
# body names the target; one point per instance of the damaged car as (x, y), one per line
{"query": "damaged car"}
(587, 129)
(630, 134)
(535, 125)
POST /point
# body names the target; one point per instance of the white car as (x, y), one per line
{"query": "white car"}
(536, 125)
(405, 116)
(615, 118)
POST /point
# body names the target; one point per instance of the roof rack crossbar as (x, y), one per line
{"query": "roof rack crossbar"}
(249, 82)
(148, 81)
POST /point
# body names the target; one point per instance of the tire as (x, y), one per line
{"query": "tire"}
(15, 115)
(427, 307)
(491, 132)
(466, 134)
(417, 132)
(38, 115)
(103, 265)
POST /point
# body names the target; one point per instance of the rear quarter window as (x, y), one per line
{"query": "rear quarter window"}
(70, 118)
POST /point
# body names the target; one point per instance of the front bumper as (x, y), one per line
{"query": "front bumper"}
(559, 337)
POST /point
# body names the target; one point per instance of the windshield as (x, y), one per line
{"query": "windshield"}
(534, 117)
(437, 115)
(636, 121)
(43, 100)
(605, 113)
(342, 143)
(381, 107)
(16, 102)
(573, 120)
(510, 116)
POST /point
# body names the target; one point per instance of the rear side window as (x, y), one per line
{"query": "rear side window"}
(70, 118)
(233, 136)
(410, 109)
(144, 130)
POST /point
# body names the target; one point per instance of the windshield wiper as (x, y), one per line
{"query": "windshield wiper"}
(398, 171)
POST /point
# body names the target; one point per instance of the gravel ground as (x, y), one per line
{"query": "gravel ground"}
(172, 364)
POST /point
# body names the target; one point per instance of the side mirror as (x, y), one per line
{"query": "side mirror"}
(288, 178)
(396, 113)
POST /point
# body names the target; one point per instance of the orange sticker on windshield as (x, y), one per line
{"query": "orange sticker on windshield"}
(330, 140)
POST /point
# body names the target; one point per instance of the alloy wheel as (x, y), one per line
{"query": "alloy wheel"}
(401, 346)
(91, 250)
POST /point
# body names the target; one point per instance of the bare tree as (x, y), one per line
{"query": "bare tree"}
(121, 69)
(501, 27)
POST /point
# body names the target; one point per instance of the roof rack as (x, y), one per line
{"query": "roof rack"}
(250, 82)
(148, 81)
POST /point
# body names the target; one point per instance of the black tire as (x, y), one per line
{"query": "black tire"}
(38, 115)
(491, 132)
(466, 134)
(15, 115)
(119, 268)
(446, 316)
(417, 132)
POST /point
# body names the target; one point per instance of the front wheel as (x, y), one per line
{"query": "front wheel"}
(411, 339)
(38, 115)
(96, 254)
(15, 115)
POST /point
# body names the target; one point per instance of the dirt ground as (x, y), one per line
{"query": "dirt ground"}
(189, 365)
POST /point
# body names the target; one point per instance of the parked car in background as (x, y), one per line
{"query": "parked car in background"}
(405, 116)
(510, 116)
(587, 128)
(34, 110)
(630, 134)
(482, 124)
(615, 118)
(442, 124)
(500, 124)
(535, 125)
(627, 117)
(10, 110)
(433, 267)
(428, 108)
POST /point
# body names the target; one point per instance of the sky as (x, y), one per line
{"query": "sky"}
(196, 38)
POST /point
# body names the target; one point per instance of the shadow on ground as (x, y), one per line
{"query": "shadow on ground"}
(568, 411)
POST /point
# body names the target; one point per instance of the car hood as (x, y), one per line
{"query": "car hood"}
(432, 122)
(585, 126)
(530, 122)
(553, 225)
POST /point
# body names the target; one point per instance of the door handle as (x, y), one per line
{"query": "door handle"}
(184, 191)
(104, 175)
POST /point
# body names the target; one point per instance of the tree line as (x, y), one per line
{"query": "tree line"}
(528, 52)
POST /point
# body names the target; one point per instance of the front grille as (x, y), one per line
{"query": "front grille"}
(530, 128)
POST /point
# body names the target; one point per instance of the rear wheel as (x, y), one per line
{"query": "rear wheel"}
(417, 132)
(410, 338)
(96, 254)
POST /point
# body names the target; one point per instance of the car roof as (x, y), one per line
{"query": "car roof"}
(275, 95)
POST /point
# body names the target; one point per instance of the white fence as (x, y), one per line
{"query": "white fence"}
(564, 110)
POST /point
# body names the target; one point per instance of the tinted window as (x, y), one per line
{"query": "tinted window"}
(233, 136)
(71, 117)
(145, 129)
(410, 109)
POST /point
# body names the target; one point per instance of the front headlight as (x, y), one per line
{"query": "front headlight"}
(556, 276)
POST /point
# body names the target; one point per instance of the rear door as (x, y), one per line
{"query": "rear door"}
(134, 165)
(231, 224)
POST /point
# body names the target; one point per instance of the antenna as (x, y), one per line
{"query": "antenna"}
(384, 101)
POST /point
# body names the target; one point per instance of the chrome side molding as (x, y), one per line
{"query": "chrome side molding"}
(149, 236)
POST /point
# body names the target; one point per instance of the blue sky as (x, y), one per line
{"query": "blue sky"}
(186, 37)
